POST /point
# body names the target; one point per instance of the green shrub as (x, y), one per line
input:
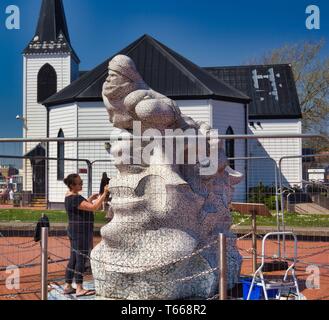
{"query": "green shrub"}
(263, 194)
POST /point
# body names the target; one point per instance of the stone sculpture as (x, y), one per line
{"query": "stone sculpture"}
(164, 213)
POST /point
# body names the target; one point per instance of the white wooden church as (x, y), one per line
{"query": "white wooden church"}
(62, 101)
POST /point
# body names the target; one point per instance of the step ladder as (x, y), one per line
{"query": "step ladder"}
(280, 285)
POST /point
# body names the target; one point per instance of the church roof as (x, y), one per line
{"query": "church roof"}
(163, 70)
(271, 87)
(51, 35)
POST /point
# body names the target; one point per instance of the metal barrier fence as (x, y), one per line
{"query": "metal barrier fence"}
(265, 201)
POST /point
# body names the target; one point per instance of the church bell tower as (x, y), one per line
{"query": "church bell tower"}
(49, 65)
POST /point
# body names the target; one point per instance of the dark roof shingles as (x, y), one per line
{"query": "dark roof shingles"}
(162, 69)
(264, 105)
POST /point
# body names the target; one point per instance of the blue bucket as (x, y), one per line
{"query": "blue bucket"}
(257, 291)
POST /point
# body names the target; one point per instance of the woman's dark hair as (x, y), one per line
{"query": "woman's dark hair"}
(69, 180)
(104, 176)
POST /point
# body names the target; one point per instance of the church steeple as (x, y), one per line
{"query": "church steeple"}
(52, 21)
(51, 35)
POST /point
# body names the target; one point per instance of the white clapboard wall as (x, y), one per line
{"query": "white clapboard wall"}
(94, 122)
(263, 170)
(63, 118)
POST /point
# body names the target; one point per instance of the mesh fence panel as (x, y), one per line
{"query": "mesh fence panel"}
(284, 189)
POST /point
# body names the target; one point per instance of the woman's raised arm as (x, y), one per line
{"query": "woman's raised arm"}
(87, 206)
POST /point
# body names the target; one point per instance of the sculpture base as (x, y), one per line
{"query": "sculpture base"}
(182, 280)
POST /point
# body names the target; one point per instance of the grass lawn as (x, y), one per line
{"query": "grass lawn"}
(291, 220)
(16, 215)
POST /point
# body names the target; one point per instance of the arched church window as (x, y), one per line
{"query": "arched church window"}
(230, 147)
(47, 82)
(60, 157)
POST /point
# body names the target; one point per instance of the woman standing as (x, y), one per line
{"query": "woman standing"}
(80, 231)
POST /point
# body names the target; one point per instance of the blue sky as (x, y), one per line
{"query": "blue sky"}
(207, 32)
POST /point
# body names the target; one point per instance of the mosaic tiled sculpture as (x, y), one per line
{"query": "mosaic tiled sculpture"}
(163, 213)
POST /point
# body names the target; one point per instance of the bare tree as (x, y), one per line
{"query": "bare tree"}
(311, 72)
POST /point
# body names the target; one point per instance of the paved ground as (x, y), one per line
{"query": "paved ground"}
(309, 253)
(15, 251)
(310, 208)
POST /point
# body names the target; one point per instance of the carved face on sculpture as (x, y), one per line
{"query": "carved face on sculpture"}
(123, 78)
(117, 86)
